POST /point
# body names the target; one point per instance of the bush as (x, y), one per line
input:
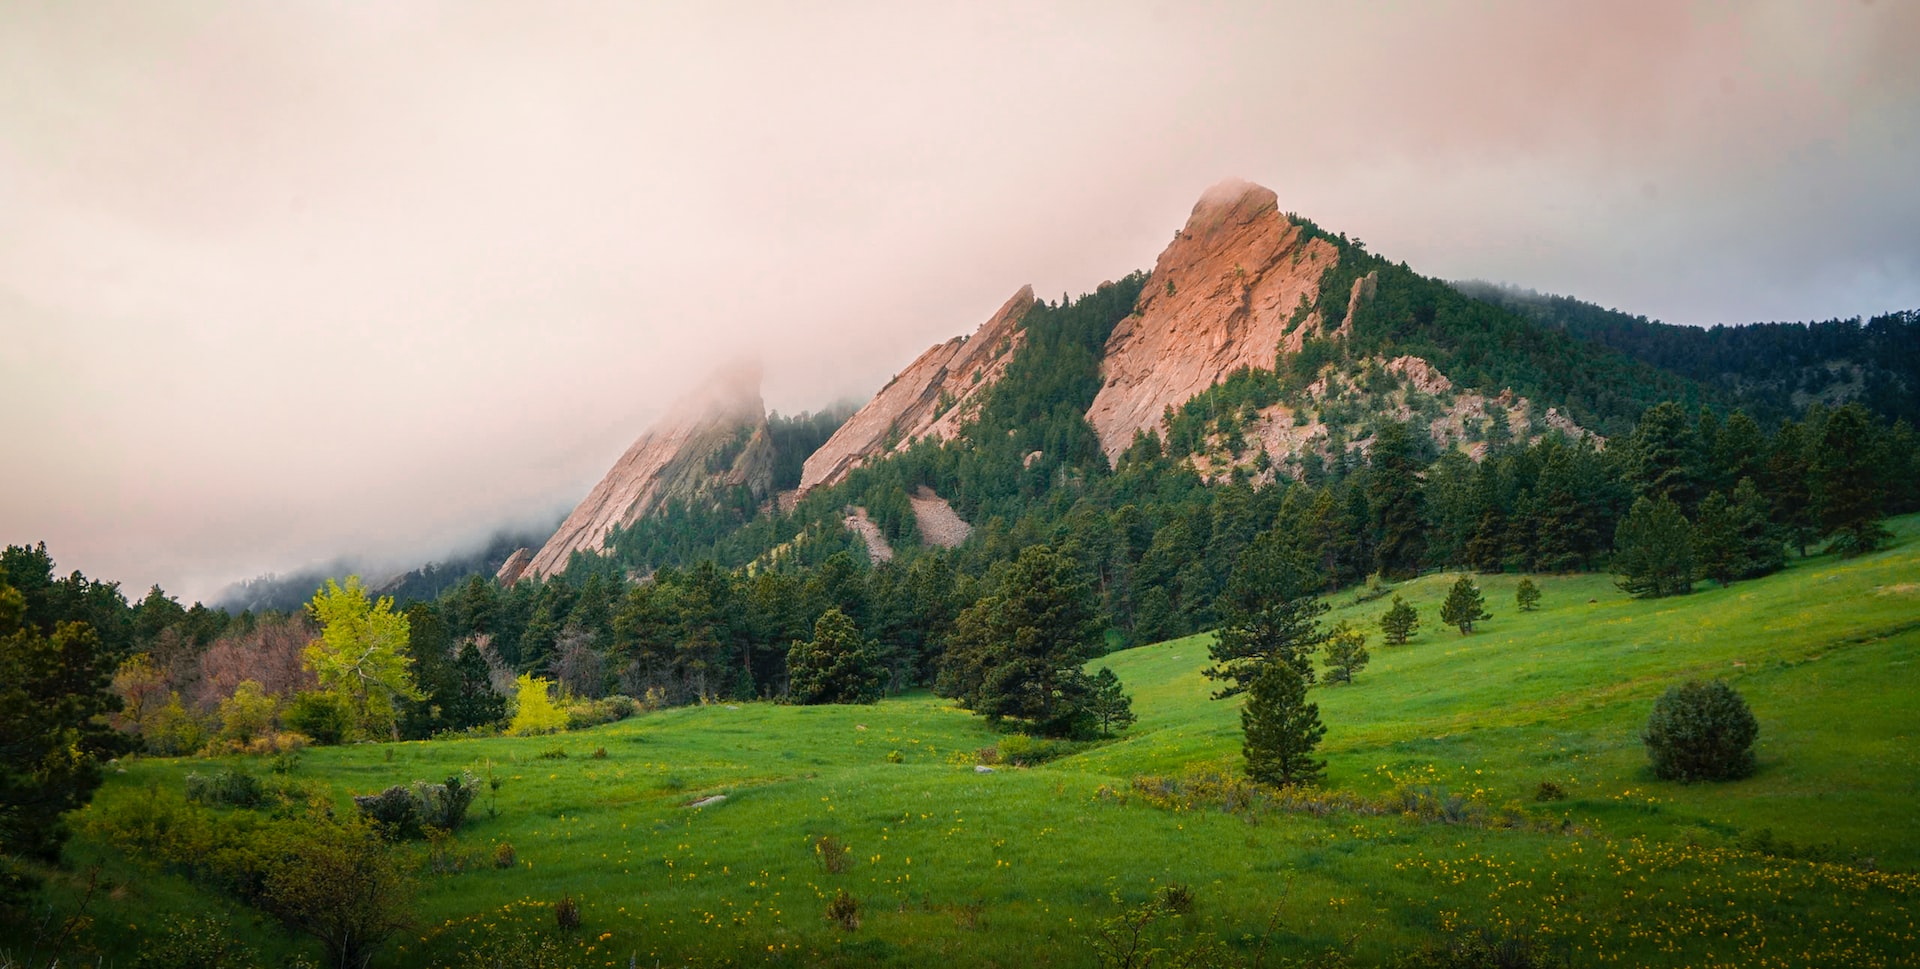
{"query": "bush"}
(404, 811)
(832, 853)
(1177, 899)
(1021, 750)
(582, 714)
(1549, 791)
(504, 856)
(196, 943)
(325, 717)
(229, 788)
(844, 910)
(534, 709)
(566, 912)
(1701, 731)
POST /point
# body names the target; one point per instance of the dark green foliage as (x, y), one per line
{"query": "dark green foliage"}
(1848, 489)
(324, 717)
(1397, 625)
(1270, 614)
(1465, 605)
(837, 665)
(1397, 503)
(406, 811)
(1664, 459)
(1483, 949)
(53, 703)
(1701, 732)
(1735, 539)
(1281, 727)
(566, 913)
(1109, 705)
(1527, 595)
(226, 788)
(1346, 653)
(1653, 551)
(1017, 651)
(1760, 365)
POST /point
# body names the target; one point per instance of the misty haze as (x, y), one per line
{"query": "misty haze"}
(1263, 484)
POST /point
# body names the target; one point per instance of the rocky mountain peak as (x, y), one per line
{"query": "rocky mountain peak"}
(1231, 290)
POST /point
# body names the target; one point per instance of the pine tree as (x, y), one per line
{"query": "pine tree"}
(1653, 551)
(1399, 622)
(1788, 487)
(1281, 728)
(1527, 595)
(1464, 606)
(1397, 503)
(1663, 456)
(1847, 488)
(1762, 550)
(1346, 653)
(1110, 705)
(837, 665)
(1270, 613)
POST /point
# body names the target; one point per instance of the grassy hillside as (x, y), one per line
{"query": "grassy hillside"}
(1016, 867)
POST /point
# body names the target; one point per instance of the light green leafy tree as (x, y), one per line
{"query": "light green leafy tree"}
(534, 710)
(361, 654)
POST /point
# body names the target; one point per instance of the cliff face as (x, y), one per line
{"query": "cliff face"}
(931, 398)
(710, 443)
(1223, 295)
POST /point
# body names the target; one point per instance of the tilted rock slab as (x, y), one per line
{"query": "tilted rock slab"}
(1222, 296)
(931, 398)
(693, 453)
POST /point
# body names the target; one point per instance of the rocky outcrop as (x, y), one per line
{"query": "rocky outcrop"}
(878, 550)
(1234, 285)
(515, 565)
(710, 443)
(931, 398)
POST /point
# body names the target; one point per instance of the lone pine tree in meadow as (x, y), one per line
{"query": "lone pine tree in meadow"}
(1346, 653)
(1281, 728)
(1464, 606)
(1527, 595)
(1110, 705)
(1399, 622)
(1271, 613)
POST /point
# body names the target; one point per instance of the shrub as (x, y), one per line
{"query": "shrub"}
(599, 753)
(534, 709)
(566, 912)
(1177, 899)
(323, 716)
(832, 854)
(1480, 948)
(230, 788)
(1549, 791)
(844, 910)
(582, 714)
(504, 856)
(554, 753)
(404, 811)
(895, 757)
(1023, 751)
(1701, 731)
(196, 943)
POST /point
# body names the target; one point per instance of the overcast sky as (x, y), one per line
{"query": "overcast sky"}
(285, 281)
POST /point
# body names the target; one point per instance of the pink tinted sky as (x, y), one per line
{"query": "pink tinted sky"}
(281, 282)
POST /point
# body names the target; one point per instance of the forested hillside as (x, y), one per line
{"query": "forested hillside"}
(1770, 369)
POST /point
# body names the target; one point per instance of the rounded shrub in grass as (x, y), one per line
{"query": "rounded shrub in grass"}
(1701, 732)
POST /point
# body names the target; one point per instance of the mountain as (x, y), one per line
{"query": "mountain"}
(1230, 291)
(1770, 369)
(711, 443)
(930, 399)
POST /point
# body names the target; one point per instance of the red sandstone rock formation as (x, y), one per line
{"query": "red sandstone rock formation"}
(931, 398)
(517, 563)
(710, 442)
(1223, 295)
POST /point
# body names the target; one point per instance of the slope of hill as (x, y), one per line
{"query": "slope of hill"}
(1771, 369)
(1428, 828)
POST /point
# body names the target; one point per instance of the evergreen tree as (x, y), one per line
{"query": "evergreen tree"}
(473, 702)
(1271, 614)
(1110, 705)
(1653, 551)
(1564, 532)
(836, 666)
(1788, 485)
(1399, 622)
(1847, 488)
(1664, 459)
(1527, 595)
(1017, 651)
(1346, 653)
(1464, 606)
(1397, 504)
(1281, 728)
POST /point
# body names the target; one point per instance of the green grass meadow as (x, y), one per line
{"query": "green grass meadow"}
(1810, 862)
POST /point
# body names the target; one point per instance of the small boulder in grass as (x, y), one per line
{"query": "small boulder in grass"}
(982, 769)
